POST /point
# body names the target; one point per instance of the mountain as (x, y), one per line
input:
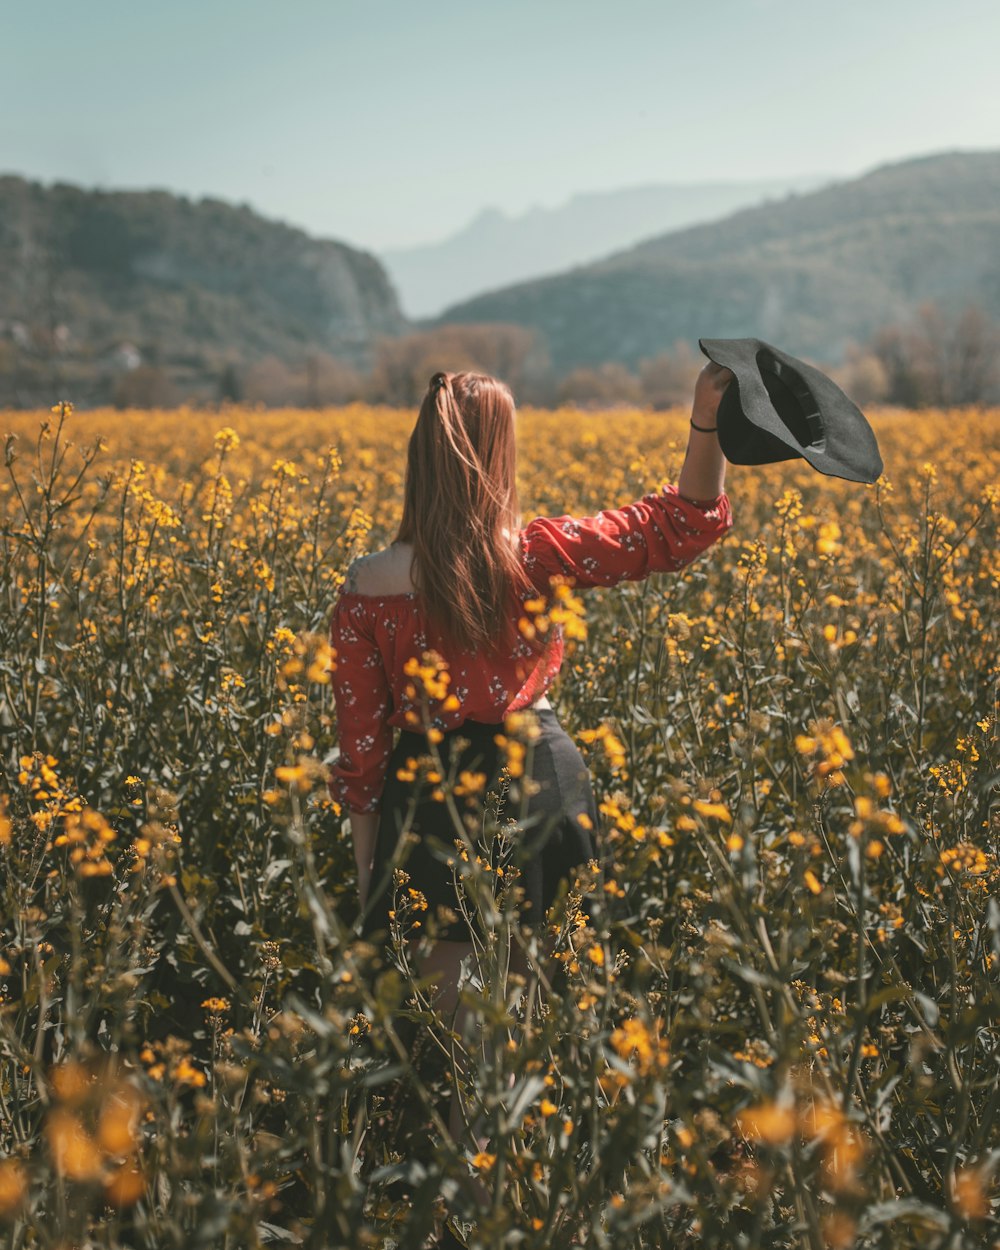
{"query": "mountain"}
(496, 249)
(94, 281)
(811, 272)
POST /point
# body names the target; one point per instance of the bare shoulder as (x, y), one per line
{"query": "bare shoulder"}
(385, 572)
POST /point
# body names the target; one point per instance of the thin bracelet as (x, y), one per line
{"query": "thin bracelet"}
(704, 429)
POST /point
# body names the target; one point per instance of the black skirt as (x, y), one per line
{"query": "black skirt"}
(548, 816)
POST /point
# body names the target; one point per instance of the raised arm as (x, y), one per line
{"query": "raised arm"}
(660, 533)
(703, 475)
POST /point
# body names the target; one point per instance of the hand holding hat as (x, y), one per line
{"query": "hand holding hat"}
(711, 385)
(778, 408)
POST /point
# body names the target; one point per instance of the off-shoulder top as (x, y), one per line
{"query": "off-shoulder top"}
(379, 641)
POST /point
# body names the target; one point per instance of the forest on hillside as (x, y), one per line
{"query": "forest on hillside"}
(149, 299)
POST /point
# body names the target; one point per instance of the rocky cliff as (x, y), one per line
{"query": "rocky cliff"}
(92, 282)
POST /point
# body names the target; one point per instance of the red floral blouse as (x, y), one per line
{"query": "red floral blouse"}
(377, 638)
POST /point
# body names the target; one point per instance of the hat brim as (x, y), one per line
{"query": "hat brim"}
(780, 407)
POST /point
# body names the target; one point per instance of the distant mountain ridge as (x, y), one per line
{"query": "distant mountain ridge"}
(813, 272)
(496, 249)
(188, 285)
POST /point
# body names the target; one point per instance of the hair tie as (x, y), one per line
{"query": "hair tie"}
(438, 381)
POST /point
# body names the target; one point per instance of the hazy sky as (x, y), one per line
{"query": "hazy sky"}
(386, 122)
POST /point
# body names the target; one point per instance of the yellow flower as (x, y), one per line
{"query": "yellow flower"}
(715, 811)
(74, 1152)
(185, 1073)
(13, 1186)
(768, 1122)
(972, 1193)
(125, 1186)
(965, 857)
(614, 748)
(634, 1040)
(227, 439)
(117, 1127)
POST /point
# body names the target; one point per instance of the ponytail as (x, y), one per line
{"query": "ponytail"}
(460, 508)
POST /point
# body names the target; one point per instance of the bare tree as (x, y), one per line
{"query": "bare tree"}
(404, 365)
(668, 379)
(940, 359)
(146, 386)
(862, 376)
(271, 382)
(606, 385)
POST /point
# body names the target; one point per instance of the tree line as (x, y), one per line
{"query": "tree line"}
(933, 358)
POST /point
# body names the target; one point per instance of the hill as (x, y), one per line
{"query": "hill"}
(813, 272)
(496, 248)
(95, 282)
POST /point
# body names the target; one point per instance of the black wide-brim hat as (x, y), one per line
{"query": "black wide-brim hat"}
(779, 408)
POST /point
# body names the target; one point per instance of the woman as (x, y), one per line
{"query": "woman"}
(464, 580)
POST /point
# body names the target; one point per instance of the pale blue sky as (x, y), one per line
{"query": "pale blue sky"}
(387, 123)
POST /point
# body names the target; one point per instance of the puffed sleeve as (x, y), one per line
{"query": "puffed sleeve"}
(363, 702)
(660, 533)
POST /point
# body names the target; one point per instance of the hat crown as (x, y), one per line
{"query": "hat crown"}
(793, 399)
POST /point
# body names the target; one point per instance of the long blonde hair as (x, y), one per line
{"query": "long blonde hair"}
(460, 508)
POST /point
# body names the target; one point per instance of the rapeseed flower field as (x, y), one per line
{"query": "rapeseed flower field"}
(766, 1016)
